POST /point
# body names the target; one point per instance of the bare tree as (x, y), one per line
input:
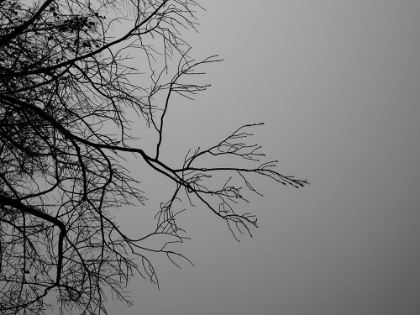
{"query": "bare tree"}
(66, 91)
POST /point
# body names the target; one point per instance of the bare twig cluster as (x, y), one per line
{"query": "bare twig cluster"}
(64, 81)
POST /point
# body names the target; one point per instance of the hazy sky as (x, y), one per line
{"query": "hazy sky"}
(338, 85)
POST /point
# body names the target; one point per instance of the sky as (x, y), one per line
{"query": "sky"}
(337, 84)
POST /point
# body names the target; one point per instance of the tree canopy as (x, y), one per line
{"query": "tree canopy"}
(67, 94)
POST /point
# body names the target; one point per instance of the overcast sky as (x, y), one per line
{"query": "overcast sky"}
(338, 85)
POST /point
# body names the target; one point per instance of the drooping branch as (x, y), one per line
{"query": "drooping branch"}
(6, 201)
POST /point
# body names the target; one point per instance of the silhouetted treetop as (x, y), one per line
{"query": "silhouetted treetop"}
(69, 97)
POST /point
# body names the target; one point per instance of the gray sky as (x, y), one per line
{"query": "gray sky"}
(338, 85)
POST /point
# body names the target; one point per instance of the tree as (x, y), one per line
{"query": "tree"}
(66, 92)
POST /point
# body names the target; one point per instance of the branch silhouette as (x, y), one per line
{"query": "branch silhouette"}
(69, 90)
